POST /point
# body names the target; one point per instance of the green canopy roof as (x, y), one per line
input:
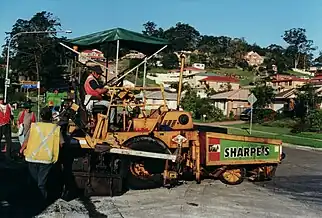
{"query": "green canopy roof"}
(128, 39)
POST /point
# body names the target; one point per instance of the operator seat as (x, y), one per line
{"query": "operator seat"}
(99, 109)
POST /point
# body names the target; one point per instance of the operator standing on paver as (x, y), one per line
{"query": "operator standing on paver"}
(41, 149)
(94, 91)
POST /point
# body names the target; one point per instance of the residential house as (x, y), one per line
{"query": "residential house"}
(317, 80)
(220, 83)
(254, 59)
(316, 68)
(284, 100)
(156, 98)
(134, 55)
(235, 101)
(94, 54)
(173, 76)
(285, 82)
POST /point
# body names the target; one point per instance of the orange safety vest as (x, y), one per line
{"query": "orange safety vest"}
(89, 90)
(5, 116)
(22, 117)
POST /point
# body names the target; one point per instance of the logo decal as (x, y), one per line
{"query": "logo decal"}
(214, 148)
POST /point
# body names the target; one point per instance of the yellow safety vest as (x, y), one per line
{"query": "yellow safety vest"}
(43, 143)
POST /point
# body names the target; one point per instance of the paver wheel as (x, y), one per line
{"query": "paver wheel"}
(145, 173)
(233, 176)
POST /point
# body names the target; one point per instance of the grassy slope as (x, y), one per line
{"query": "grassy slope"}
(305, 138)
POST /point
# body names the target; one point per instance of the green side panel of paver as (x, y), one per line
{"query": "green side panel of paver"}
(231, 150)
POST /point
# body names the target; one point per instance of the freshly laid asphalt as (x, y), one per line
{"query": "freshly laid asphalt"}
(296, 191)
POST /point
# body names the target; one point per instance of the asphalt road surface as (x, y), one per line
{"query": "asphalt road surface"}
(296, 191)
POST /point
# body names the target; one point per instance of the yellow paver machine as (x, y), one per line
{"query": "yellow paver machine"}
(161, 146)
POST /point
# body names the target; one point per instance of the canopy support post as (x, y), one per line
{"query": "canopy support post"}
(117, 57)
(136, 76)
(144, 72)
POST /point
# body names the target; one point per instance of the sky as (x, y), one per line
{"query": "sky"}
(259, 21)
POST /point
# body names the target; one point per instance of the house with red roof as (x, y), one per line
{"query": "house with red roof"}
(94, 54)
(285, 82)
(214, 81)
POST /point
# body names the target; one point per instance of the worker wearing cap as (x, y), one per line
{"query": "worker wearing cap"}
(41, 149)
(94, 91)
(25, 118)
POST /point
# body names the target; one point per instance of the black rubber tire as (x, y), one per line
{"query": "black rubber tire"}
(239, 181)
(148, 144)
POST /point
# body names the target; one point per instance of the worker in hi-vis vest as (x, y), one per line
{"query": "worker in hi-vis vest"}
(41, 149)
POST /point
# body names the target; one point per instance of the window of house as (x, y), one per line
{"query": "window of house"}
(290, 83)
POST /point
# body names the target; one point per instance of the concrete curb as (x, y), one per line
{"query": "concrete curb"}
(300, 147)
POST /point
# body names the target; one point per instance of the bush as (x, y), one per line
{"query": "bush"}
(315, 120)
(282, 123)
(231, 115)
(312, 122)
(17, 97)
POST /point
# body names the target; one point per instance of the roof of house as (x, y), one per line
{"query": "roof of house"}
(285, 94)
(220, 79)
(282, 78)
(317, 77)
(239, 94)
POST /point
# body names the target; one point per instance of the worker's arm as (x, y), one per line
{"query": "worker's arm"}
(100, 89)
(20, 113)
(24, 144)
(61, 140)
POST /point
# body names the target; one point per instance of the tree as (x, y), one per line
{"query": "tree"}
(170, 61)
(300, 46)
(150, 29)
(237, 49)
(307, 110)
(200, 106)
(307, 99)
(275, 55)
(182, 37)
(264, 94)
(318, 60)
(36, 56)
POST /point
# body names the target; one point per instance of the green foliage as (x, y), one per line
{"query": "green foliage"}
(315, 120)
(200, 106)
(231, 115)
(307, 100)
(264, 94)
(170, 61)
(150, 29)
(182, 37)
(17, 96)
(306, 109)
(37, 56)
(281, 123)
(300, 47)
